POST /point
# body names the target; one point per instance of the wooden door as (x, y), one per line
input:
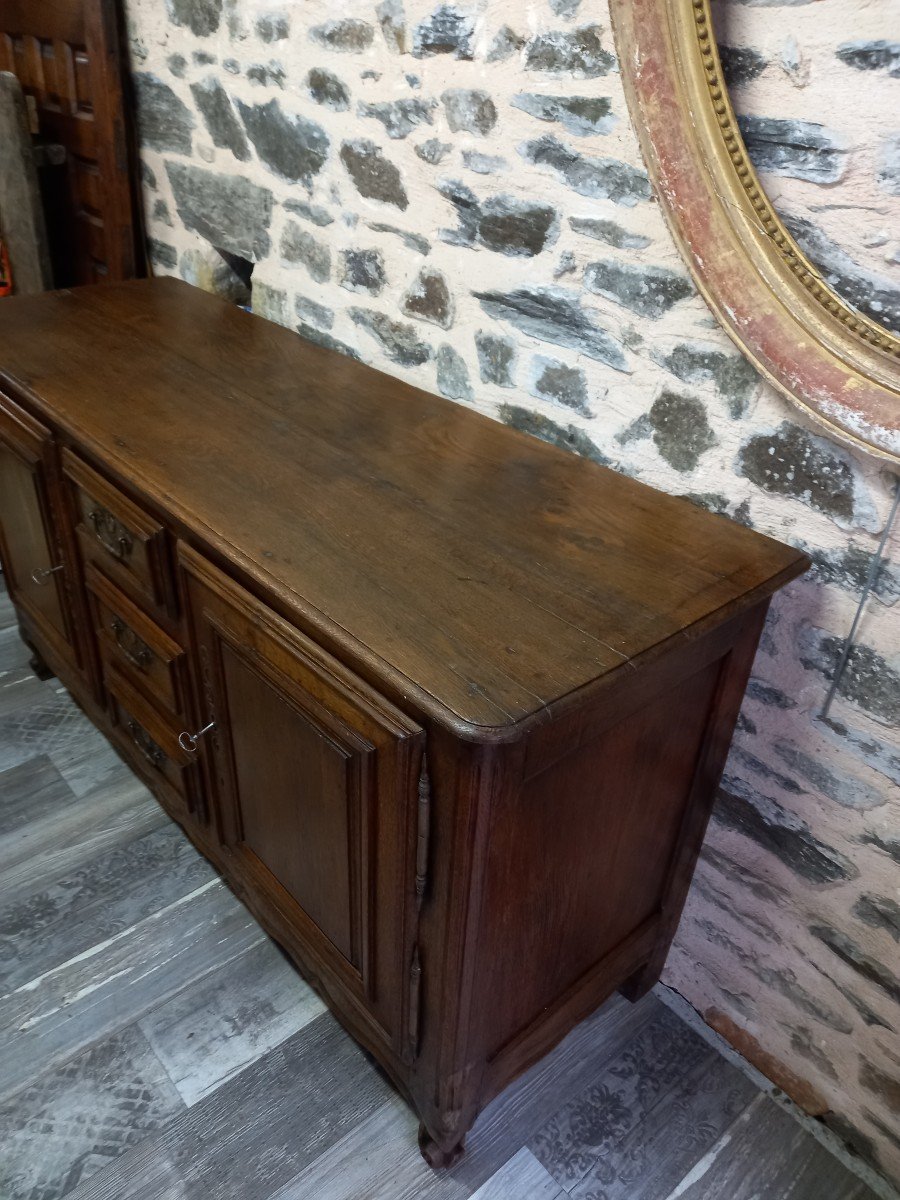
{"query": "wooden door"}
(29, 544)
(313, 779)
(66, 56)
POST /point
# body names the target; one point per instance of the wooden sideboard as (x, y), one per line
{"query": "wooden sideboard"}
(445, 705)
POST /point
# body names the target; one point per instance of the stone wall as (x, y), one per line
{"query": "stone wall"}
(455, 195)
(816, 86)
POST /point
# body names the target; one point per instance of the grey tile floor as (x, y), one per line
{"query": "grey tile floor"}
(155, 1044)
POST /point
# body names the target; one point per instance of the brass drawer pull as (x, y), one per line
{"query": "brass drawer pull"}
(111, 533)
(133, 648)
(40, 577)
(145, 743)
(188, 741)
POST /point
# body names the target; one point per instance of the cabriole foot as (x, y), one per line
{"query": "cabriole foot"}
(436, 1156)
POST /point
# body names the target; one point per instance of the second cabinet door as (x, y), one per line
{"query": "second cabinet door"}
(314, 782)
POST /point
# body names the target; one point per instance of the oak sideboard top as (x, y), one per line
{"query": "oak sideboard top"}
(488, 574)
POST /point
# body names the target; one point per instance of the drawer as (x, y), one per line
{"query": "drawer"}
(125, 542)
(150, 743)
(135, 646)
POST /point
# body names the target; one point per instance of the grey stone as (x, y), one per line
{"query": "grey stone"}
(741, 64)
(399, 341)
(842, 789)
(413, 80)
(270, 302)
(496, 358)
(869, 1016)
(452, 375)
(202, 17)
(502, 223)
(347, 35)
(733, 375)
(392, 19)
(321, 338)
(447, 31)
(232, 66)
(310, 310)
(797, 149)
(505, 44)
(309, 212)
(868, 679)
(363, 271)
(208, 269)
(565, 8)
(161, 213)
(881, 912)
(887, 845)
(298, 247)
(469, 110)
(552, 314)
(785, 836)
(370, 74)
(599, 178)
(272, 27)
(164, 121)
(649, 291)
(161, 254)
(743, 758)
(266, 74)
(374, 176)
(228, 210)
(429, 299)
(609, 232)
(772, 697)
(483, 164)
(879, 1083)
(325, 88)
(560, 383)
(681, 432)
(223, 126)
(791, 462)
(849, 568)
(578, 53)
(738, 873)
(847, 950)
(582, 115)
(177, 64)
(871, 55)
(567, 265)
(292, 147)
(400, 117)
(888, 174)
(433, 151)
(784, 980)
(148, 176)
(876, 295)
(869, 750)
(412, 241)
(568, 437)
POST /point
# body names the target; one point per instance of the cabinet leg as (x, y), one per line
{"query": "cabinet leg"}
(438, 1157)
(637, 986)
(36, 662)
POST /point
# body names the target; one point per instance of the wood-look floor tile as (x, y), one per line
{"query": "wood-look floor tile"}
(522, 1178)
(70, 835)
(378, 1160)
(28, 791)
(212, 1030)
(766, 1153)
(111, 893)
(259, 1130)
(57, 728)
(113, 984)
(672, 1135)
(75, 1119)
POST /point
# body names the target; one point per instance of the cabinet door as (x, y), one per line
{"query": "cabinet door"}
(29, 545)
(313, 779)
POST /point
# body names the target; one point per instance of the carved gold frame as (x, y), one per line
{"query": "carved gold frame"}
(837, 365)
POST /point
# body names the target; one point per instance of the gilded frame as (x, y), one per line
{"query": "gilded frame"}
(841, 368)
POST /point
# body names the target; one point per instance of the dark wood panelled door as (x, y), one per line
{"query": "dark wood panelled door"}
(66, 55)
(314, 783)
(29, 545)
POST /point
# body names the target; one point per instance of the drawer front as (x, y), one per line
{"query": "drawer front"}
(119, 537)
(135, 646)
(151, 744)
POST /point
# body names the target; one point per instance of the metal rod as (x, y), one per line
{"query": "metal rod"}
(871, 577)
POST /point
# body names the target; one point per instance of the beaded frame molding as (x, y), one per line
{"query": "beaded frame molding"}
(836, 364)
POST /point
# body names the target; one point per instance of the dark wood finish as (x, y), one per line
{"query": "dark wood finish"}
(466, 698)
(66, 55)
